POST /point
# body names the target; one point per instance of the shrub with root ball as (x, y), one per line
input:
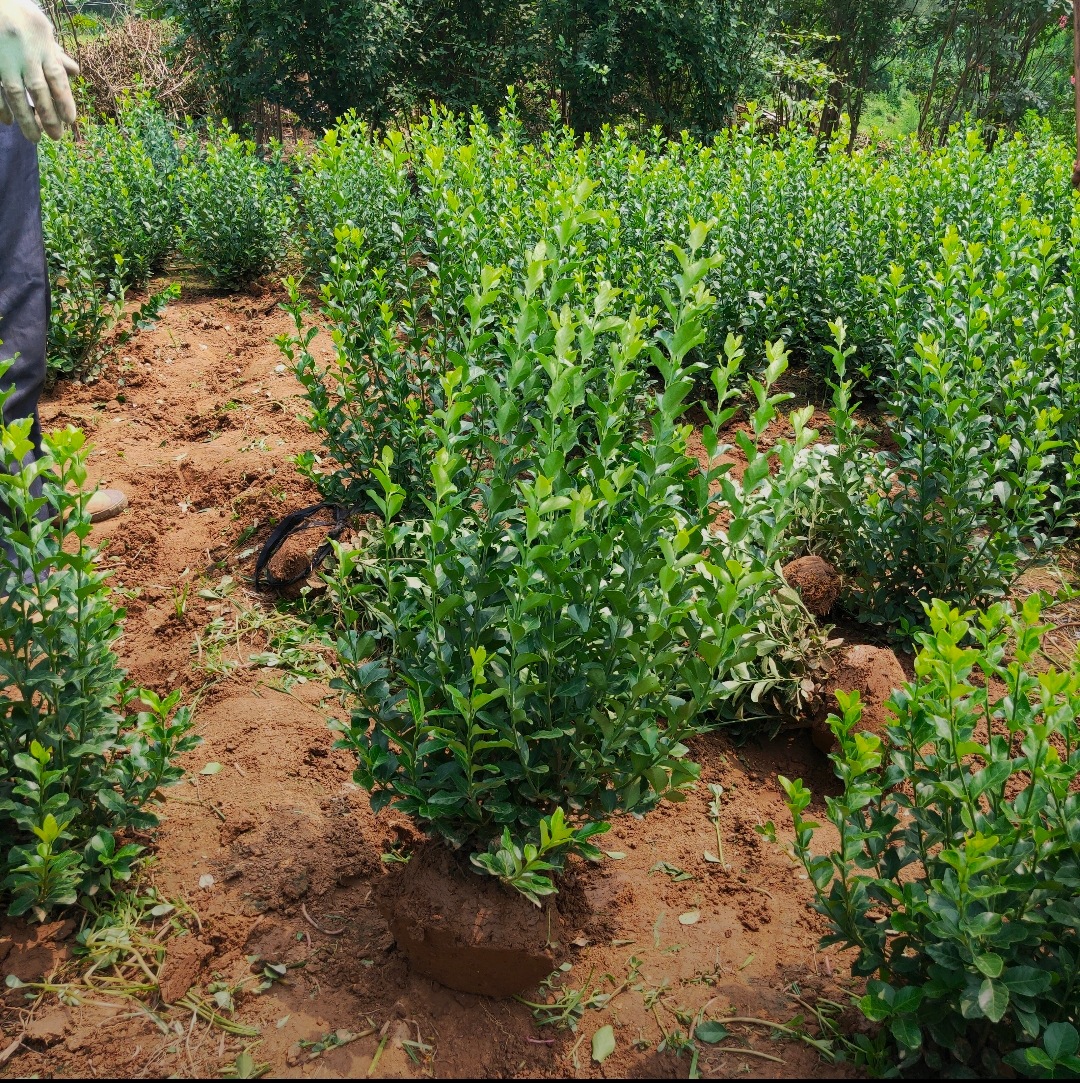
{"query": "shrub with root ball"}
(958, 867)
(533, 632)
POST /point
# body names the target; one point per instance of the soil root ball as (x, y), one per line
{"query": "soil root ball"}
(816, 580)
(872, 671)
(466, 931)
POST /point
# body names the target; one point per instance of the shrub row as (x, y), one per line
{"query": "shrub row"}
(807, 234)
(130, 192)
(952, 273)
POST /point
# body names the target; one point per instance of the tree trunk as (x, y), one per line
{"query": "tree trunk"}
(924, 113)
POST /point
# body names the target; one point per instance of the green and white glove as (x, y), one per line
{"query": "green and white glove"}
(33, 63)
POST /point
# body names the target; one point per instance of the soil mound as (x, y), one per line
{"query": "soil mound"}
(467, 931)
(816, 580)
(872, 671)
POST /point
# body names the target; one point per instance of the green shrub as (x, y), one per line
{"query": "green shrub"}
(76, 770)
(109, 220)
(552, 608)
(237, 210)
(349, 180)
(805, 234)
(976, 482)
(957, 872)
(87, 309)
(123, 200)
(381, 392)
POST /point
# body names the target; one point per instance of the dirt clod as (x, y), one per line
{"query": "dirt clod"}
(48, 1028)
(872, 671)
(816, 580)
(467, 932)
(182, 967)
(31, 952)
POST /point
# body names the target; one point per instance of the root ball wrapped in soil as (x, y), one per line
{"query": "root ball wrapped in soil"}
(817, 582)
(465, 930)
(872, 671)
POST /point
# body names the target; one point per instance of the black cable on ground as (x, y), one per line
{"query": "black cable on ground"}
(294, 523)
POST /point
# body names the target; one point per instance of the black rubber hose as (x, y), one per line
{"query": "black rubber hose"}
(293, 523)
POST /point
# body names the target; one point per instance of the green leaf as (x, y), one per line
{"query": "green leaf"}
(603, 1044)
(673, 871)
(990, 964)
(212, 769)
(1026, 980)
(993, 999)
(1060, 1040)
(906, 1031)
(711, 1032)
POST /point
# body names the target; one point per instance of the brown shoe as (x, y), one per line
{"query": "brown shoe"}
(105, 503)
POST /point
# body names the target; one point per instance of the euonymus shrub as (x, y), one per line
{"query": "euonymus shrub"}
(109, 213)
(530, 643)
(76, 769)
(236, 209)
(974, 484)
(957, 873)
(118, 182)
(805, 233)
(351, 180)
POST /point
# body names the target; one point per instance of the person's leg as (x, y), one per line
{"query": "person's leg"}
(24, 278)
(24, 284)
(25, 300)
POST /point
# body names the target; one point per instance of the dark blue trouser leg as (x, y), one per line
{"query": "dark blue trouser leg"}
(24, 281)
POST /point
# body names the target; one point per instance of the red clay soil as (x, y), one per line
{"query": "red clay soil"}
(279, 853)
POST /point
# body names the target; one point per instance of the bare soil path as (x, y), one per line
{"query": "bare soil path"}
(278, 851)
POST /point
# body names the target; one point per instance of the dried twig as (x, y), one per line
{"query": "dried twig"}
(315, 925)
(12, 1049)
(748, 1052)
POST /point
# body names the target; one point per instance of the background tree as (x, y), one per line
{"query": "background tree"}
(994, 59)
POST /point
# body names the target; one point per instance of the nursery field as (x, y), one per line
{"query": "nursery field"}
(644, 474)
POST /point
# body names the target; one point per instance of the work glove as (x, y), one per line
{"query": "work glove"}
(32, 62)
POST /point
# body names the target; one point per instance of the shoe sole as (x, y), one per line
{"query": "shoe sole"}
(119, 502)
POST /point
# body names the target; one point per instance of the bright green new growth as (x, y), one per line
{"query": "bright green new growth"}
(76, 769)
(957, 873)
(523, 868)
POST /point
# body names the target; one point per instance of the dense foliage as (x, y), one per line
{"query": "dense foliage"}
(547, 605)
(942, 267)
(683, 64)
(77, 767)
(956, 875)
(679, 64)
(109, 210)
(236, 209)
